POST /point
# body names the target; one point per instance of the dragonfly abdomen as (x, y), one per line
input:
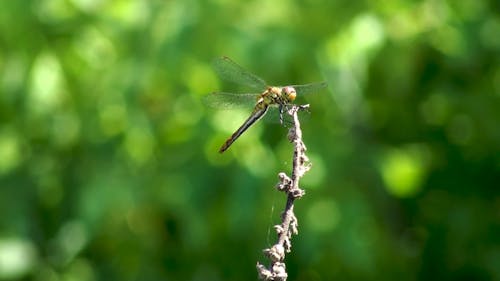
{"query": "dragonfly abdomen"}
(256, 115)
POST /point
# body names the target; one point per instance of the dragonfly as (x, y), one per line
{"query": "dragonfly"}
(266, 97)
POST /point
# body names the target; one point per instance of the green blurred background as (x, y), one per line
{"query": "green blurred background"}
(108, 159)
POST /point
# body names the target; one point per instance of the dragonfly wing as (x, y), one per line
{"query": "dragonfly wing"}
(222, 100)
(232, 72)
(309, 88)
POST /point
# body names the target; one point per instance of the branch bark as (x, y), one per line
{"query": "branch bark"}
(290, 185)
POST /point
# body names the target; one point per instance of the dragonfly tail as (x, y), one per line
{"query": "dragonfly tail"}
(249, 122)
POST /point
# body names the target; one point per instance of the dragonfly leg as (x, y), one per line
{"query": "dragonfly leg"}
(281, 109)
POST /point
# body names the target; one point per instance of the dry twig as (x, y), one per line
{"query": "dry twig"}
(290, 185)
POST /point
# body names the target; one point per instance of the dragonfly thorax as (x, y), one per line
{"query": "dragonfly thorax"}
(277, 95)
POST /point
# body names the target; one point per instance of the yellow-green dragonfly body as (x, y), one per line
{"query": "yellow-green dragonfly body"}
(271, 96)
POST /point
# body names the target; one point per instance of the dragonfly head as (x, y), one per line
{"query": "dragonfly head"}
(290, 93)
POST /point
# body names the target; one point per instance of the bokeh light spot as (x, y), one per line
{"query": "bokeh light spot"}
(199, 78)
(403, 170)
(70, 240)
(10, 154)
(88, 5)
(131, 14)
(46, 85)
(17, 258)
(113, 118)
(139, 145)
(323, 216)
(95, 48)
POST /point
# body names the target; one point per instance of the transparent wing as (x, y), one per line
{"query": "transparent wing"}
(309, 88)
(222, 100)
(232, 72)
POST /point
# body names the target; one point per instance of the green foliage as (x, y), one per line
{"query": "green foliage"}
(108, 159)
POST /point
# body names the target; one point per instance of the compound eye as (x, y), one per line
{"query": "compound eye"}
(290, 92)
